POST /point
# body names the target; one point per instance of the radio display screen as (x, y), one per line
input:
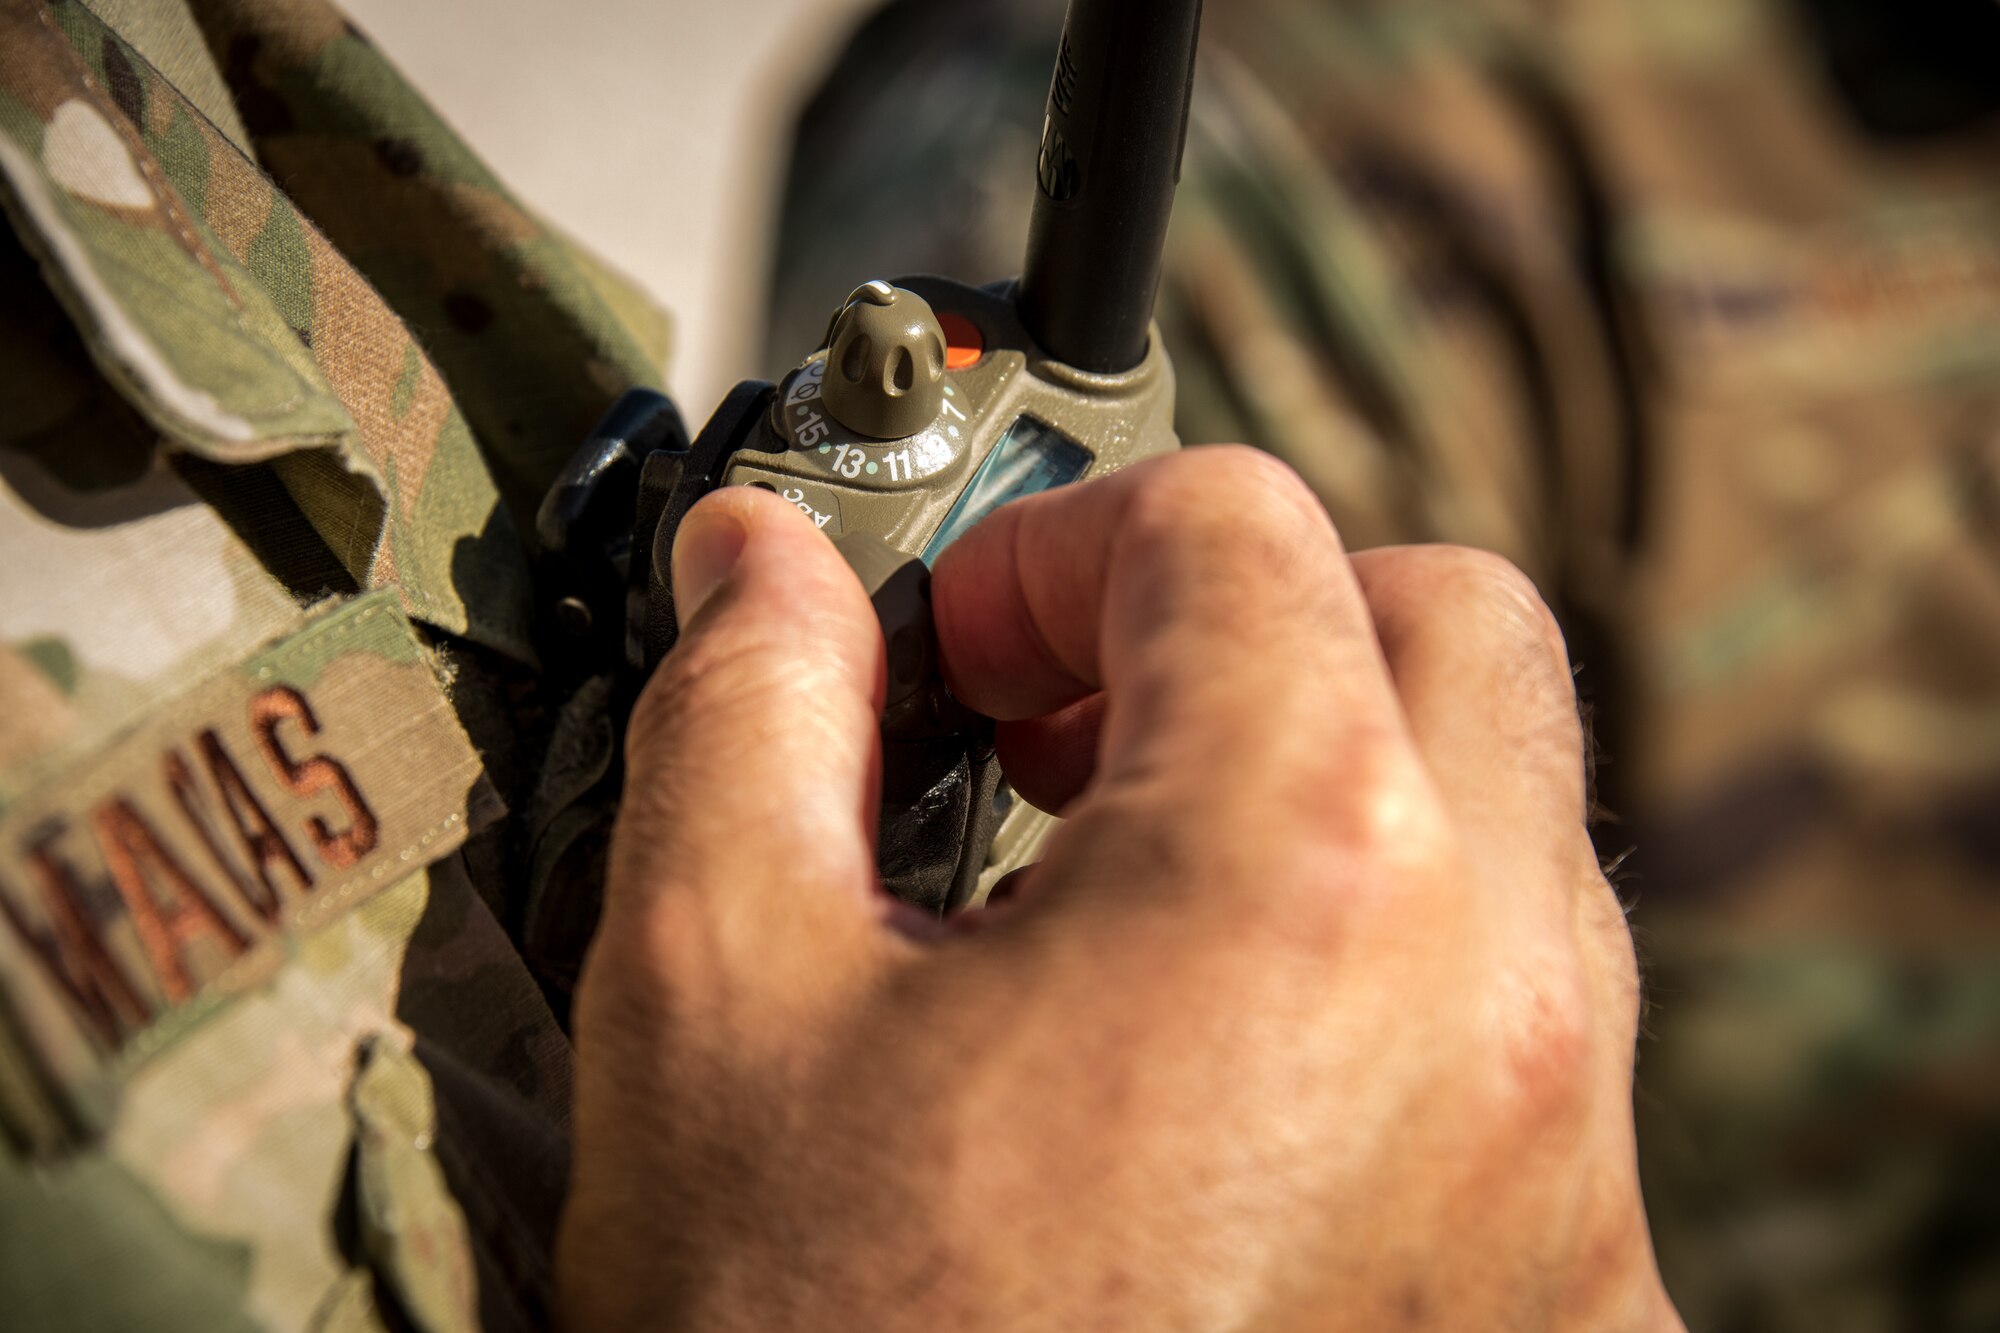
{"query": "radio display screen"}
(1030, 458)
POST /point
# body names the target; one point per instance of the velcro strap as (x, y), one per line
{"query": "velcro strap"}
(149, 885)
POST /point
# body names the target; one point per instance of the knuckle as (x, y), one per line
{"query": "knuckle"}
(1509, 607)
(1497, 612)
(737, 670)
(1244, 468)
(1386, 816)
(1227, 530)
(1260, 486)
(1231, 492)
(1370, 841)
(676, 689)
(653, 715)
(1545, 1050)
(1607, 940)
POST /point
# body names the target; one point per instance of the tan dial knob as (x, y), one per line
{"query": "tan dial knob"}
(885, 363)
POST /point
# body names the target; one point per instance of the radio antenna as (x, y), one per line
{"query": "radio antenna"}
(1110, 159)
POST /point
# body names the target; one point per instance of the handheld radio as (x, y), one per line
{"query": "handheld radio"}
(929, 404)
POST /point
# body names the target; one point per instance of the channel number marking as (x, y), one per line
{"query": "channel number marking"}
(897, 462)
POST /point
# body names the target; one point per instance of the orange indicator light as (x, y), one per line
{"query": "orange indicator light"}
(963, 345)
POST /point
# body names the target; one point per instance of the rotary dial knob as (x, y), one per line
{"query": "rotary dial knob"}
(885, 363)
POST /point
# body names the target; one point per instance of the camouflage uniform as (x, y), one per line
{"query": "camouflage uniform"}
(1692, 308)
(283, 374)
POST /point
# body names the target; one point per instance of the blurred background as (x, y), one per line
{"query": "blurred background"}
(1690, 309)
(652, 132)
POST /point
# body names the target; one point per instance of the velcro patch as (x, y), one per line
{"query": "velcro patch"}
(149, 885)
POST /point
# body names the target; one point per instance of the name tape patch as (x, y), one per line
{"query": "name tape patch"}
(171, 871)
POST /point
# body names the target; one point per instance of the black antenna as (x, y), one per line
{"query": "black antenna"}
(1111, 157)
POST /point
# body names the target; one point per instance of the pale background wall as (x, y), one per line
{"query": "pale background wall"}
(648, 128)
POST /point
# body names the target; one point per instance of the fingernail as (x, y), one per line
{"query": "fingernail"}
(705, 551)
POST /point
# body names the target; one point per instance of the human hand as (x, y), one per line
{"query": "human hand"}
(1317, 1014)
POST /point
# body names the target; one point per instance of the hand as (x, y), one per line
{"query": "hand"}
(1318, 1013)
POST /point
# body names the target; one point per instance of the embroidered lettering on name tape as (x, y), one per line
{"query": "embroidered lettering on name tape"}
(172, 869)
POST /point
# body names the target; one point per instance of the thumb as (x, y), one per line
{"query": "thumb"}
(747, 828)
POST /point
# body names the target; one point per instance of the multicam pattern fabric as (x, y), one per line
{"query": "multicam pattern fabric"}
(228, 823)
(175, 596)
(1693, 313)
(534, 337)
(272, 730)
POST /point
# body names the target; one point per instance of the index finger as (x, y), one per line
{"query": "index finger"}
(1207, 594)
